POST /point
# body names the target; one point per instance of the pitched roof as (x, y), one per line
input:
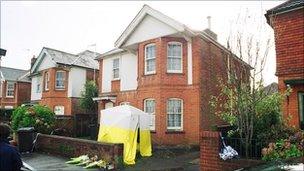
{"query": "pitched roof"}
(84, 59)
(286, 6)
(13, 74)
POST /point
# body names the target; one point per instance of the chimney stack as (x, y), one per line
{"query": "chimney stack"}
(209, 22)
(208, 29)
(33, 60)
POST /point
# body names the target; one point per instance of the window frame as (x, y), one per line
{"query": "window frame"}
(63, 80)
(152, 128)
(59, 106)
(124, 103)
(46, 81)
(118, 68)
(181, 57)
(154, 58)
(182, 116)
(7, 89)
(38, 88)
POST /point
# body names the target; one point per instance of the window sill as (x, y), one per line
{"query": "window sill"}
(175, 132)
(175, 72)
(59, 89)
(116, 79)
(150, 73)
(9, 97)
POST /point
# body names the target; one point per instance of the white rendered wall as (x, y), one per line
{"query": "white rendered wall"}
(77, 79)
(127, 72)
(149, 28)
(34, 94)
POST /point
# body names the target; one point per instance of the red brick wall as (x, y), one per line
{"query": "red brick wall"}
(73, 147)
(289, 40)
(209, 155)
(22, 94)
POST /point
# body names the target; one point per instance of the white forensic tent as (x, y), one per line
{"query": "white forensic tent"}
(120, 125)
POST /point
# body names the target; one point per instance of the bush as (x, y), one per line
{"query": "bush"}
(285, 148)
(40, 117)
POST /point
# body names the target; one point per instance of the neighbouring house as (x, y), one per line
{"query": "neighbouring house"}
(169, 71)
(58, 79)
(287, 21)
(15, 87)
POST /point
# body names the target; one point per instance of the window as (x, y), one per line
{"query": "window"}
(149, 107)
(59, 110)
(124, 103)
(46, 81)
(174, 57)
(116, 68)
(10, 89)
(38, 85)
(301, 109)
(174, 114)
(150, 57)
(60, 78)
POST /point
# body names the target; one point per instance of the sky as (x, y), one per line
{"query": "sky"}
(74, 26)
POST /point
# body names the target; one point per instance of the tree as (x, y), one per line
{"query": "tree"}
(239, 100)
(86, 102)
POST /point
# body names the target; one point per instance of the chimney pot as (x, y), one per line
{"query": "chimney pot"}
(209, 22)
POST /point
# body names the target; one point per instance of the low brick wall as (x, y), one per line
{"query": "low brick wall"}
(209, 155)
(73, 147)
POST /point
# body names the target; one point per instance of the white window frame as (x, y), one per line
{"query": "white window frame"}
(11, 89)
(153, 58)
(152, 115)
(181, 57)
(118, 68)
(46, 81)
(38, 85)
(124, 103)
(175, 128)
(61, 112)
(63, 80)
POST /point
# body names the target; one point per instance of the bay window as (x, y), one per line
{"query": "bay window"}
(174, 114)
(149, 107)
(150, 58)
(174, 57)
(60, 79)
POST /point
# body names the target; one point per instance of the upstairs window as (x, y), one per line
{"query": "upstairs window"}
(38, 85)
(116, 68)
(46, 81)
(10, 87)
(174, 57)
(150, 57)
(149, 107)
(174, 114)
(60, 79)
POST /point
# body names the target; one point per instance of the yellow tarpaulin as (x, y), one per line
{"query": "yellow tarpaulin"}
(120, 125)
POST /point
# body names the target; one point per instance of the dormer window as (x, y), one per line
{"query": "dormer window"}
(174, 57)
(150, 57)
(60, 79)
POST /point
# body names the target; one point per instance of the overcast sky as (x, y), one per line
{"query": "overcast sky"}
(70, 26)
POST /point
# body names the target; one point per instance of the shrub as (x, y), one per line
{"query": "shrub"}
(285, 148)
(40, 117)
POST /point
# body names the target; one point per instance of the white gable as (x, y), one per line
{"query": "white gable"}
(46, 63)
(149, 28)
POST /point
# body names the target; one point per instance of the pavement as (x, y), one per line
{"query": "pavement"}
(162, 160)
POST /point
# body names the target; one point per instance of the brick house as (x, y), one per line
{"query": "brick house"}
(58, 79)
(168, 70)
(15, 87)
(287, 20)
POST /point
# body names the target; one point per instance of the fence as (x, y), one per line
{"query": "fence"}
(254, 149)
(77, 125)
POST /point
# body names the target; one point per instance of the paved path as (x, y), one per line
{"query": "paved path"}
(46, 162)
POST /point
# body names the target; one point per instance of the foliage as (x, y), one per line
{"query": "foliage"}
(40, 117)
(285, 148)
(90, 91)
